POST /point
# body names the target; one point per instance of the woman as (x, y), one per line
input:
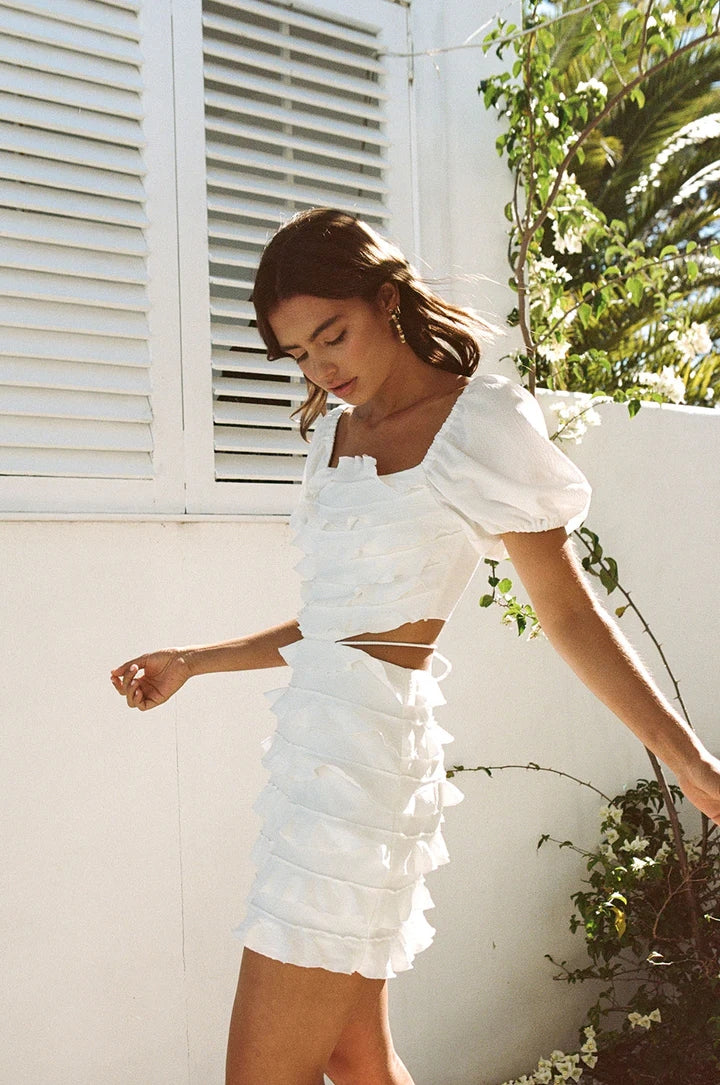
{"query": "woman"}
(425, 471)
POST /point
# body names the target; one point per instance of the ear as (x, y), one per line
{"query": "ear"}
(388, 297)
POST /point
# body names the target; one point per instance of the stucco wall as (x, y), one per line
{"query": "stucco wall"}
(127, 835)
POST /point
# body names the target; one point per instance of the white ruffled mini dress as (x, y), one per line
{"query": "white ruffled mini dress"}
(353, 808)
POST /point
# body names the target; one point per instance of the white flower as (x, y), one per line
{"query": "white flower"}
(555, 351)
(569, 241)
(543, 1075)
(638, 843)
(644, 1020)
(668, 17)
(696, 340)
(552, 119)
(590, 1060)
(610, 813)
(574, 418)
(638, 865)
(666, 383)
(607, 852)
(663, 852)
(594, 86)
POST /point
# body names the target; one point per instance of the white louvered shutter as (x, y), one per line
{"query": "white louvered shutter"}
(76, 402)
(301, 108)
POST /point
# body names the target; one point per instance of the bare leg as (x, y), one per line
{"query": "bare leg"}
(287, 1021)
(364, 1054)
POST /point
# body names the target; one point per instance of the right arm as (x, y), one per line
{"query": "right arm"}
(151, 679)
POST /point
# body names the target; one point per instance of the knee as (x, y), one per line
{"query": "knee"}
(359, 1068)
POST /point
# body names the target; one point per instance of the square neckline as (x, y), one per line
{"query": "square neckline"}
(332, 432)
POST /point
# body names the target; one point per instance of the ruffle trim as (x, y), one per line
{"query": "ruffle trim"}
(380, 957)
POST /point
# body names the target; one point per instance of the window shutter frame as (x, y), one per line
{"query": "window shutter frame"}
(206, 415)
(121, 286)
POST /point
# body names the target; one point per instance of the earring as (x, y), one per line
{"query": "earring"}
(395, 321)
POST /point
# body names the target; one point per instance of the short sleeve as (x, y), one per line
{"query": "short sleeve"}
(493, 462)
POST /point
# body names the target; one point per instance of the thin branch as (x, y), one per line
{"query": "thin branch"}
(533, 767)
(646, 629)
(507, 40)
(609, 106)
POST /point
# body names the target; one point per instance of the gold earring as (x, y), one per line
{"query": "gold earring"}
(395, 321)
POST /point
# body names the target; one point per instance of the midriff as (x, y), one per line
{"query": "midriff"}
(422, 633)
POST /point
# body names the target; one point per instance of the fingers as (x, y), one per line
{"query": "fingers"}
(126, 681)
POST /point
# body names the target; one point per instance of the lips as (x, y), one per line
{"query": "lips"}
(342, 389)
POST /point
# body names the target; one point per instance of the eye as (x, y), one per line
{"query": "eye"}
(334, 342)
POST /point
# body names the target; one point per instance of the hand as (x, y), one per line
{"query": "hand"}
(164, 673)
(701, 785)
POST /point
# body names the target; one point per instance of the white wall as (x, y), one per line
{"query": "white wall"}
(126, 836)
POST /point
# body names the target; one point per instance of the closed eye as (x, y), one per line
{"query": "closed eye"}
(330, 343)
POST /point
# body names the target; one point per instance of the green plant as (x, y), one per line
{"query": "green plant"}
(613, 235)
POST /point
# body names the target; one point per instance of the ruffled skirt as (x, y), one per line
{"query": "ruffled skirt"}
(352, 814)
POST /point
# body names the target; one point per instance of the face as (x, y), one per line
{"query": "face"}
(344, 345)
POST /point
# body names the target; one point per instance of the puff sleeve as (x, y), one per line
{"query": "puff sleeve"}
(493, 463)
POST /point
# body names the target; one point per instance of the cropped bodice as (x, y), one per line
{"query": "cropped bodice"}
(383, 550)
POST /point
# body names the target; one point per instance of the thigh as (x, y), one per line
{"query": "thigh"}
(365, 1049)
(287, 1020)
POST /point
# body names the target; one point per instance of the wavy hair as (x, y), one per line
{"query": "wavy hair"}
(327, 253)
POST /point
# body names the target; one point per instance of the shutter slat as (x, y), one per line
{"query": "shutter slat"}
(237, 310)
(300, 194)
(235, 335)
(86, 67)
(30, 256)
(99, 183)
(63, 90)
(242, 232)
(219, 280)
(364, 61)
(246, 81)
(240, 362)
(67, 288)
(71, 120)
(92, 406)
(360, 132)
(55, 201)
(76, 376)
(253, 388)
(21, 313)
(41, 144)
(339, 30)
(76, 38)
(55, 230)
(69, 463)
(251, 414)
(247, 439)
(259, 468)
(68, 346)
(20, 432)
(244, 158)
(81, 13)
(293, 69)
(273, 138)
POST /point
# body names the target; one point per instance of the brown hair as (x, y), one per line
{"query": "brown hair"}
(331, 254)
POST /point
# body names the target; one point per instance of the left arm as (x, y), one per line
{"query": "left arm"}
(593, 645)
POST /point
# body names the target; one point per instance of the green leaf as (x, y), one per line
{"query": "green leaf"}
(633, 407)
(505, 585)
(486, 601)
(619, 611)
(692, 270)
(637, 96)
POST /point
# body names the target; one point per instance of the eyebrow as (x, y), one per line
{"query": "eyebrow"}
(318, 331)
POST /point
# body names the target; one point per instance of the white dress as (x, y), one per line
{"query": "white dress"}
(353, 808)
